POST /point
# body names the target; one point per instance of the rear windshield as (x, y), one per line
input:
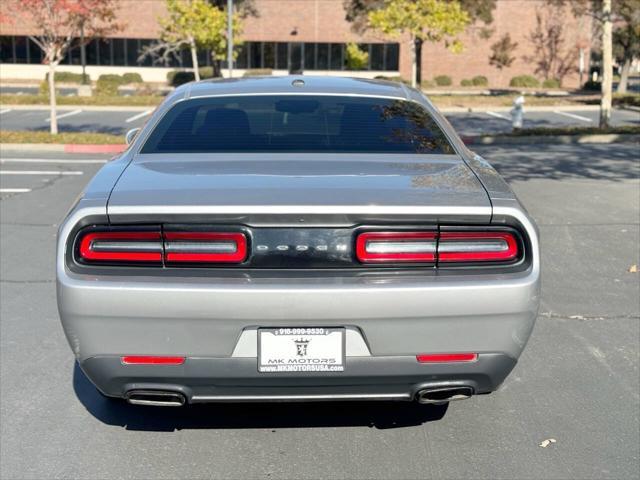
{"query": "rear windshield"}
(297, 123)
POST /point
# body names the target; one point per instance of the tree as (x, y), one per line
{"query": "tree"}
(356, 58)
(605, 13)
(552, 57)
(60, 23)
(626, 38)
(502, 52)
(357, 11)
(192, 24)
(422, 20)
(607, 65)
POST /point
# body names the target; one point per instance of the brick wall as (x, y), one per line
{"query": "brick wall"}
(323, 21)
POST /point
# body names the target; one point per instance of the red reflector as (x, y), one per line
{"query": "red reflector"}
(206, 247)
(477, 247)
(151, 360)
(122, 246)
(446, 357)
(381, 247)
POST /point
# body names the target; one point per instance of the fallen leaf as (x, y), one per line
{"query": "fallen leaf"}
(633, 269)
(546, 443)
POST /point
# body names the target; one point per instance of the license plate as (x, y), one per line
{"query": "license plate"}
(301, 349)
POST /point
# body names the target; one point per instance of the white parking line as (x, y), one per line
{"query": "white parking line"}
(14, 190)
(498, 115)
(50, 160)
(5, 110)
(64, 115)
(40, 172)
(140, 115)
(573, 115)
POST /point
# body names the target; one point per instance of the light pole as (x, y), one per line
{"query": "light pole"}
(230, 37)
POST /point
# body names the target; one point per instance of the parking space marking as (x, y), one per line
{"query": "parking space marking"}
(50, 160)
(139, 115)
(40, 172)
(14, 190)
(64, 115)
(498, 115)
(573, 115)
(5, 110)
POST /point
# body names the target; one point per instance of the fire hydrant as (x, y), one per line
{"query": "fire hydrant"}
(517, 112)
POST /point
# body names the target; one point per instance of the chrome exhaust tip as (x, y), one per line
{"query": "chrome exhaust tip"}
(443, 394)
(156, 398)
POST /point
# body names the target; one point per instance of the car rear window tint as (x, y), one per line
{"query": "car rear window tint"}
(297, 123)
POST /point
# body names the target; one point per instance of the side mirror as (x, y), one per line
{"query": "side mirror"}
(131, 135)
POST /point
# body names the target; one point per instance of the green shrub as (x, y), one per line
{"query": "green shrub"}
(443, 80)
(480, 81)
(526, 81)
(465, 82)
(175, 78)
(355, 58)
(108, 84)
(592, 86)
(257, 72)
(131, 78)
(66, 77)
(206, 72)
(427, 84)
(551, 83)
(395, 78)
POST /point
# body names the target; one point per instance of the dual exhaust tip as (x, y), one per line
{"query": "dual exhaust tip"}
(156, 398)
(442, 395)
(162, 398)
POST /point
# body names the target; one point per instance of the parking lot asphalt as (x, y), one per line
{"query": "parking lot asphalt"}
(120, 120)
(577, 382)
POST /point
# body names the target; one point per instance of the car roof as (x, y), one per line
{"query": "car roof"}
(295, 84)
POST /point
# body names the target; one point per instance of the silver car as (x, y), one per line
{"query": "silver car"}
(297, 238)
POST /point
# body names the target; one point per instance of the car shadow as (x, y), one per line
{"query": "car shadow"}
(381, 415)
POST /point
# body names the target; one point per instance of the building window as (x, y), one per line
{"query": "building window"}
(282, 57)
(322, 56)
(336, 60)
(273, 55)
(6, 49)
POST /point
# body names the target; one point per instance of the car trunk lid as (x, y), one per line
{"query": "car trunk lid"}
(309, 189)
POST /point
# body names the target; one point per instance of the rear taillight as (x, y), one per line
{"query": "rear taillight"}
(477, 247)
(392, 247)
(445, 247)
(154, 247)
(138, 247)
(205, 247)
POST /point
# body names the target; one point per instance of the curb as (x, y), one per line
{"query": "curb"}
(64, 147)
(557, 139)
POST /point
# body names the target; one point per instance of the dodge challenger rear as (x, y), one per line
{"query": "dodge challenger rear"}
(297, 238)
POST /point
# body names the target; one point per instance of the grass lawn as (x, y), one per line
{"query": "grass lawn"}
(528, 132)
(116, 100)
(9, 136)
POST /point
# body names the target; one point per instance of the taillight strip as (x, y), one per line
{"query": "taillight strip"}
(477, 247)
(391, 247)
(205, 247)
(121, 246)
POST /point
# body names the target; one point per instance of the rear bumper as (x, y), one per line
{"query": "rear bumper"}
(237, 379)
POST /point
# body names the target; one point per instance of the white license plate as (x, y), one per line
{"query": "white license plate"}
(301, 349)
